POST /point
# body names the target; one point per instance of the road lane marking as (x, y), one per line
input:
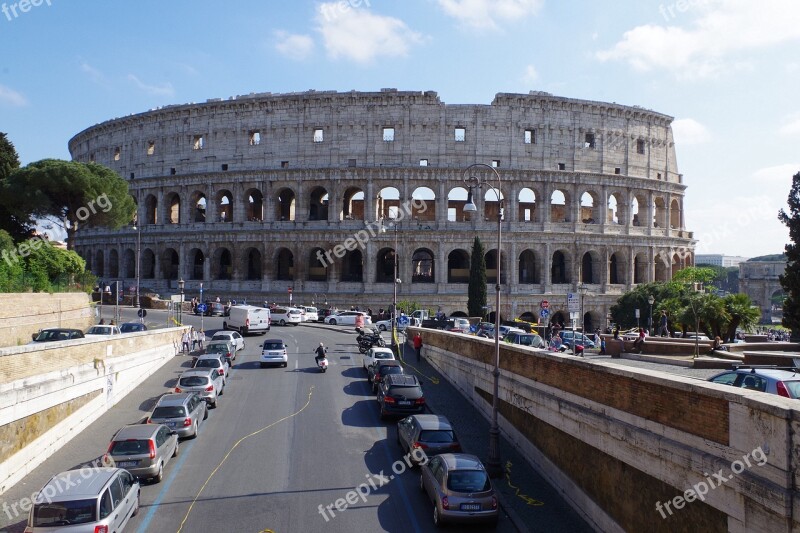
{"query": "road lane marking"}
(213, 472)
(524, 497)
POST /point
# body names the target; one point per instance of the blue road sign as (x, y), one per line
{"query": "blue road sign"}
(544, 313)
(201, 308)
(402, 320)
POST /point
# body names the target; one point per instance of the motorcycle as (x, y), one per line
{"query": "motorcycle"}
(323, 364)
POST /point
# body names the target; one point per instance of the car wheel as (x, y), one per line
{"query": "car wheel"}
(196, 430)
(284, 365)
(176, 450)
(282, 322)
(160, 476)
(263, 365)
(332, 322)
(437, 519)
(222, 391)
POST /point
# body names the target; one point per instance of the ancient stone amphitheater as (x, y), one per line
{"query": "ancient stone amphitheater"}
(320, 192)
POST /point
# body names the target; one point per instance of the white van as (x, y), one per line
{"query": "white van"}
(248, 319)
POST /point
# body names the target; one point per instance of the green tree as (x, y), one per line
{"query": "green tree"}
(740, 309)
(17, 224)
(476, 291)
(11, 273)
(72, 194)
(790, 279)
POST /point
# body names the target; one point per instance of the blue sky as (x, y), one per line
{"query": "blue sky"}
(725, 69)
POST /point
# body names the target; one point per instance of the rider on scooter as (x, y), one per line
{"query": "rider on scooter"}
(322, 353)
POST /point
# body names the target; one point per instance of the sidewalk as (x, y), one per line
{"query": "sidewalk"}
(532, 504)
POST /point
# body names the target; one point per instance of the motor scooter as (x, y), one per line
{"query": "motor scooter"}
(322, 364)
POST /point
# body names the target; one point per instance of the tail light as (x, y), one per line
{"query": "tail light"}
(210, 388)
(419, 445)
(152, 446)
(221, 371)
(420, 401)
(110, 445)
(389, 399)
(149, 421)
(782, 390)
(178, 389)
(377, 376)
(247, 323)
(456, 447)
(100, 529)
(187, 422)
(494, 503)
(445, 503)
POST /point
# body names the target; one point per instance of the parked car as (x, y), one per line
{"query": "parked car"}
(459, 488)
(524, 339)
(580, 338)
(181, 412)
(402, 323)
(273, 351)
(781, 381)
(322, 314)
(101, 330)
(105, 499)
(286, 315)
(217, 360)
(312, 314)
(132, 327)
(375, 353)
(433, 434)
(380, 370)
(144, 449)
(248, 319)
(348, 318)
(458, 325)
(400, 394)
(212, 309)
(56, 334)
(221, 347)
(505, 330)
(230, 336)
(206, 382)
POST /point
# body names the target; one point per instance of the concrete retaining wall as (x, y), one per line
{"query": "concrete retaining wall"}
(618, 442)
(49, 394)
(26, 313)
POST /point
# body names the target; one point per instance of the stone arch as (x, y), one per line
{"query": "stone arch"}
(659, 210)
(151, 209)
(353, 206)
(148, 264)
(560, 267)
(385, 265)
(99, 264)
(113, 263)
(254, 205)
(591, 212)
(456, 199)
(129, 263)
(491, 267)
(615, 270)
(172, 202)
(285, 202)
(317, 265)
(640, 268)
(491, 205)
(638, 210)
(284, 265)
(197, 261)
(526, 205)
(224, 202)
(590, 267)
(199, 207)
(675, 214)
(423, 267)
(170, 264)
(222, 265)
(423, 204)
(387, 205)
(253, 264)
(318, 202)
(458, 266)
(352, 266)
(662, 268)
(559, 206)
(528, 270)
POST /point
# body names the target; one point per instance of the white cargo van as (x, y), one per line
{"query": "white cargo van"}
(248, 319)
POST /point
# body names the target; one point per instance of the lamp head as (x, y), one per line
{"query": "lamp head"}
(470, 206)
(181, 284)
(650, 299)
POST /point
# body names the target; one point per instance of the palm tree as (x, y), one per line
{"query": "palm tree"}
(742, 313)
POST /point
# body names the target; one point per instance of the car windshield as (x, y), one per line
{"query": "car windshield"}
(169, 411)
(273, 346)
(208, 363)
(217, 348)
(391, 370)
(51, 336)
(437, 435)
(129, 328)
(468, 481)
(383, 355)
(64, 513)
(99, 330)
(130, 447)
(529, 340)
(193, 381)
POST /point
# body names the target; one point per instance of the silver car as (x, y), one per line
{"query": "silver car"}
(214, 360)
(144, 449)
(459, 488)
(101, 499)
(433, 434)
(182, 413)
(206, 382)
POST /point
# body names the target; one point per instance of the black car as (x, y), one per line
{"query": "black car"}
(381, 369)
(131, 327)
(400, 394)
(57, 334)
(213, 309)
(323, 313)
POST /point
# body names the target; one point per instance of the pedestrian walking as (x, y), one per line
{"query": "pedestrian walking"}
(202, 337)
(185, 340)
(662, 330)
(418, 346)
(195, 338)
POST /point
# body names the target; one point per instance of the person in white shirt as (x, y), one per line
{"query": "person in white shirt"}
(185, 340)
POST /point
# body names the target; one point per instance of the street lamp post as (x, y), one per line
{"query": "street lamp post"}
(493, 466)
(202, 314)
(181, 284)
(651, 300)
(395, 279)
(138, 229)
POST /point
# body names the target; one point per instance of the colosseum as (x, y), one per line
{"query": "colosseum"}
(248, 195)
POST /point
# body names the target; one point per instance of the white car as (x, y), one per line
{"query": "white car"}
(402, 322)
(376, 354)
(101, 330)
(230, 336)
(312, 314)
(286, 315)
(347, 318)
(273, 352)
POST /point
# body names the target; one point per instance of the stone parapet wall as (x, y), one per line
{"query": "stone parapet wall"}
(22, 314)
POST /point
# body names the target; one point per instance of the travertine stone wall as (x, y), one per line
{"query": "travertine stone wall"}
(26, 313)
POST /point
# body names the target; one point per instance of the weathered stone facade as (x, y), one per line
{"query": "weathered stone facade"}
(760, 280)
(246, 194)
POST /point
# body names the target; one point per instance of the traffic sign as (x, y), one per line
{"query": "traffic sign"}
(402, 320)
(573, 302)
(544, 313)
(141, 313)
(201, 308)
(289, 290)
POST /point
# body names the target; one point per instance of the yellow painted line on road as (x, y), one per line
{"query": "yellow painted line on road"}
(213, 472)
(524, 497)
(432, 379)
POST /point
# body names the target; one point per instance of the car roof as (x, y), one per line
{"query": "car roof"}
(174, 398)
(382, 349)
(429, 422)
(197, 372)
(71, 330)
(273, 340)
(402, 379)
(66, 487)
(387, 362)
(137, 431)
(461, 461)
(774, 373)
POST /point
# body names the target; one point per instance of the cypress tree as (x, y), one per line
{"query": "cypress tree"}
(790, 280)
(476, 302)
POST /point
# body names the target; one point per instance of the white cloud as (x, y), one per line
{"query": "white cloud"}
(165, 89)
(486, 14)
(792, 127)
(688, 131)
(94, 74)
(9, 96)
(294, 46)
(779, 174)
(362, 36)
(721, 30)
(531, 76)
